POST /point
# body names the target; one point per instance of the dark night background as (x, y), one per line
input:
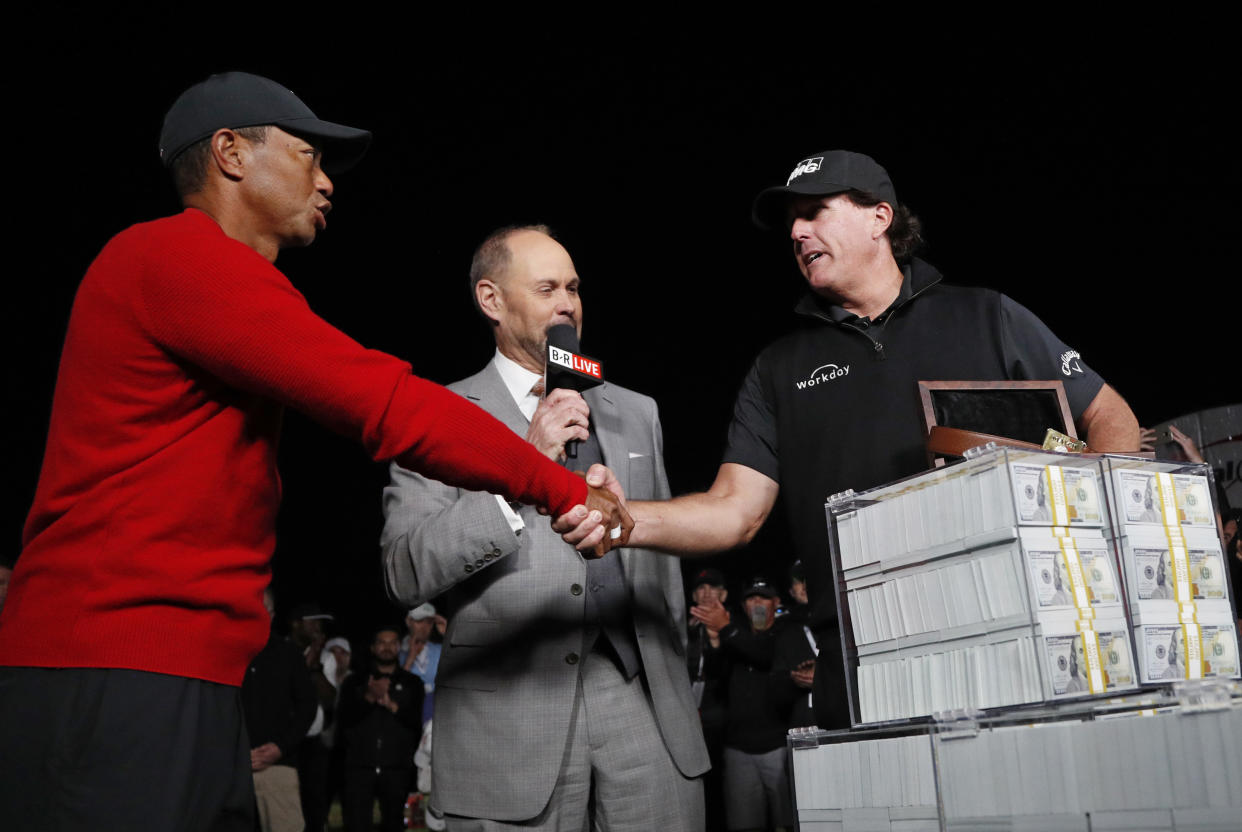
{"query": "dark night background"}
(1094, 182)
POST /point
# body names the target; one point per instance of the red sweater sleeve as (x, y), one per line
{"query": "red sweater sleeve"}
(220, 305)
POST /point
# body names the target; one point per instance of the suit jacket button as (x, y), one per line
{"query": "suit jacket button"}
(496, 551)
(576, 589)
(479, 562)
(572, 658)
(469, 567)
(488, 556)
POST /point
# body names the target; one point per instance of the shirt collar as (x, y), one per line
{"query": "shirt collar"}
(518, 380)
(916, 276)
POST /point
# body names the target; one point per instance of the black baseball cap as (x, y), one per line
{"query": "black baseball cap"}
(760, 587)
(824, 173)
(707, 576)
(309, 610)
(239, 99)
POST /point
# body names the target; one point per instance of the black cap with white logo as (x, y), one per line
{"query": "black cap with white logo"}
(239, 99)
(762, 588)
(823, 174)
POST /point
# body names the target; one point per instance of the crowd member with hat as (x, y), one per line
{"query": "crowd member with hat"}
(708, 677)
(337, 659)
(307, 621)
(419, 654)
(279, 704)
(835, 404)
(756, 780)
(135, 605)
(793, 658)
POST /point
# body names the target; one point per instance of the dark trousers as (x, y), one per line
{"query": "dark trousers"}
(714, 722)
(313, 757)
(364, 785)
(102, 749)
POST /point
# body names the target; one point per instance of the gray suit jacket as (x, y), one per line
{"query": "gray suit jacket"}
(508, 674)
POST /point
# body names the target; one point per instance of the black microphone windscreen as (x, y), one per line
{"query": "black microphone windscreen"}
(563, 336)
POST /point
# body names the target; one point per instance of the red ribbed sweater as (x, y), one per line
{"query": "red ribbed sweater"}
(149, 541)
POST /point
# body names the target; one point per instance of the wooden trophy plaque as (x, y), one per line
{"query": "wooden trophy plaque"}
(965, 414)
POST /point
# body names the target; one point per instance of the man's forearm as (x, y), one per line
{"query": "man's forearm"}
(696, 524)
(1109, 424)
(727, 515)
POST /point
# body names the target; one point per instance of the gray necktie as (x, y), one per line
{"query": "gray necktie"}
(607, 597)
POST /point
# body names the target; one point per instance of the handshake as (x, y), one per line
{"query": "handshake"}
(603, 523)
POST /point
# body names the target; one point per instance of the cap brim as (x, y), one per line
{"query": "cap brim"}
(768, 209)
(343, 147)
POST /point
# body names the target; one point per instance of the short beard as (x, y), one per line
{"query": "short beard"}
(536, 350)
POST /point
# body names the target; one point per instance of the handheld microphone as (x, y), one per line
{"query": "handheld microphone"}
(567, 369)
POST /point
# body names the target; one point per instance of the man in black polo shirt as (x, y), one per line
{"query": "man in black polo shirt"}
(834, 404)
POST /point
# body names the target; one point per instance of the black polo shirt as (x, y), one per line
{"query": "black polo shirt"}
(835, 404)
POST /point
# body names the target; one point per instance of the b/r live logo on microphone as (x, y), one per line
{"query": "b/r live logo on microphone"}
(575, 362)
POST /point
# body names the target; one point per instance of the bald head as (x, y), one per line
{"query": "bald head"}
(492, 256)
(523, 282)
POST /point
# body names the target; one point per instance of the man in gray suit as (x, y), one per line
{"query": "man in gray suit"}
(562, 683)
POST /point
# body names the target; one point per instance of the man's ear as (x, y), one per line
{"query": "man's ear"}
(229, 153)
(883, 219)
(724, 595)
(488, 294)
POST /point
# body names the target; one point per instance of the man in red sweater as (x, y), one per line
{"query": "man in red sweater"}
(136, 604)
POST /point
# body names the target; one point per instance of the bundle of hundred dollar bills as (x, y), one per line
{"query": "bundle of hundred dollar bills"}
(1175, 575)
(1152, 769)
(983, 585)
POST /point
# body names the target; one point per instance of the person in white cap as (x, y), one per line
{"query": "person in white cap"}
(336, 657)
(419, 654)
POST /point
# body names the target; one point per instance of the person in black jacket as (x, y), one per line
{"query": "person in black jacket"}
(793, 658)
(380, 716)
(709, 670)
(756, 777)
(278, 701)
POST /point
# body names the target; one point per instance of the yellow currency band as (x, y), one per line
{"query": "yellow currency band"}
(1091, 652)
(1078, 583)
(1192, 638)
(1179, 557)
(1168, 500)
(1058, 499)
(1179, 560)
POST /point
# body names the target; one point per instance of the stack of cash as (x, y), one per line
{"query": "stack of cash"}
(1160, 769)
(981, 586)
(888, 772)
(1175, 575)
(952, 510)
